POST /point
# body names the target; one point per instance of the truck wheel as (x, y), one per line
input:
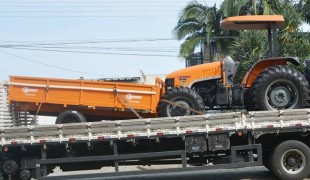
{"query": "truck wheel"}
(10, 167)
(25, 174)
(279, 87)
(70, 116)
(291, 160)
(266, 162)
(183, 96)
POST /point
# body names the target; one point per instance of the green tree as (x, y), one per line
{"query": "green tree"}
(196, 25)
(248, 7)
(247, 49)
(304, 7)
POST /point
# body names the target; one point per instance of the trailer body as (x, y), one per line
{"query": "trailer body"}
(108, 100)
(277, 139)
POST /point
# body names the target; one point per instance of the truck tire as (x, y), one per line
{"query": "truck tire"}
(279, 87)
(25, 174)
(181, 96)
(266, 162)
(70, 116)
(10, 167)
(291, 160)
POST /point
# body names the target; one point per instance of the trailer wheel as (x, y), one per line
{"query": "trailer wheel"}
(279, 87)
(70, 116)
(183, 96)
(291, 160)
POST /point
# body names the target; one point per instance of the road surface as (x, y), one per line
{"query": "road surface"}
(248, 173)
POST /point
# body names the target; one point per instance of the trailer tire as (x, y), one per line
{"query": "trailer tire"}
(70, 116)
(182, 96)
(291, 160)
(279, 87)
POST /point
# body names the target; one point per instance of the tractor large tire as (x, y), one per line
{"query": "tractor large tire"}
(291, 160)
(182, 96)
(279, 87)
(70, 116)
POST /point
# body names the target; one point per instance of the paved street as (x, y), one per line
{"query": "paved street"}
(249, 173)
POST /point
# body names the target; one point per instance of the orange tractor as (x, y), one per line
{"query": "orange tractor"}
(268, 85)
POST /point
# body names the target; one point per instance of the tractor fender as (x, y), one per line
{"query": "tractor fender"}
(261, 65)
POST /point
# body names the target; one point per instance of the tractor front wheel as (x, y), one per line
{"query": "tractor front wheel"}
(181, 101)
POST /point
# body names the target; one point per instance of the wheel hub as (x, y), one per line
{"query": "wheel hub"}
(71, 120)
(293, 161)
(180, 109)
(280, 97)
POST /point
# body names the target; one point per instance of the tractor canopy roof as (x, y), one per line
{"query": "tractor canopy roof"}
(257, 22)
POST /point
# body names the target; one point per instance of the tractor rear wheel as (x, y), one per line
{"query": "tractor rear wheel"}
(279, 87)
(180, 102)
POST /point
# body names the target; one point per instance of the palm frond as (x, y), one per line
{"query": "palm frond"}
(188, 46)
(187, 27)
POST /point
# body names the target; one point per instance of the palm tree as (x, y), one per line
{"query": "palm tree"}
(248, 7)
(235, 8)
(304, 7)
(196, 25)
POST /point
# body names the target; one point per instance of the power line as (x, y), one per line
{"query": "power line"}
(50, 65)
(74, 42)
(51, 6)
(89, 11)
(154, 16)
(89, 52)
(99, 40)
(95, 2)
(122, 49)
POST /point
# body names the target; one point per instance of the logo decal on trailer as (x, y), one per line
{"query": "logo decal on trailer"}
(27, 91)
(130, 97)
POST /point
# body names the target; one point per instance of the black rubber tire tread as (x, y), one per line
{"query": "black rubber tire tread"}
(181, 92)
(275, 160)
(266, 162)
(264, 79)
(79, 117)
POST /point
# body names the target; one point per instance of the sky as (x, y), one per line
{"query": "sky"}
(89, 38)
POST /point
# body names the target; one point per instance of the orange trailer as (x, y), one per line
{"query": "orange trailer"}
(93, 99)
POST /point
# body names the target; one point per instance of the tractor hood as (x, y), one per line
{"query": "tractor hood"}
(188, 76)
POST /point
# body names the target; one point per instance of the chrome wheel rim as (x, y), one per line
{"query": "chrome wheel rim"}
(293, 161)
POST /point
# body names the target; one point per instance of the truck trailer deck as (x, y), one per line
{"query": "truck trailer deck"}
(222, 140)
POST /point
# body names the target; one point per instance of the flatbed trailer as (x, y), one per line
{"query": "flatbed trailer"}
(277, 139)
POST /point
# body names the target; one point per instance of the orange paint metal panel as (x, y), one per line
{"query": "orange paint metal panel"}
(258, 22)
(86, 93)
(258, 68)
(190, 75)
